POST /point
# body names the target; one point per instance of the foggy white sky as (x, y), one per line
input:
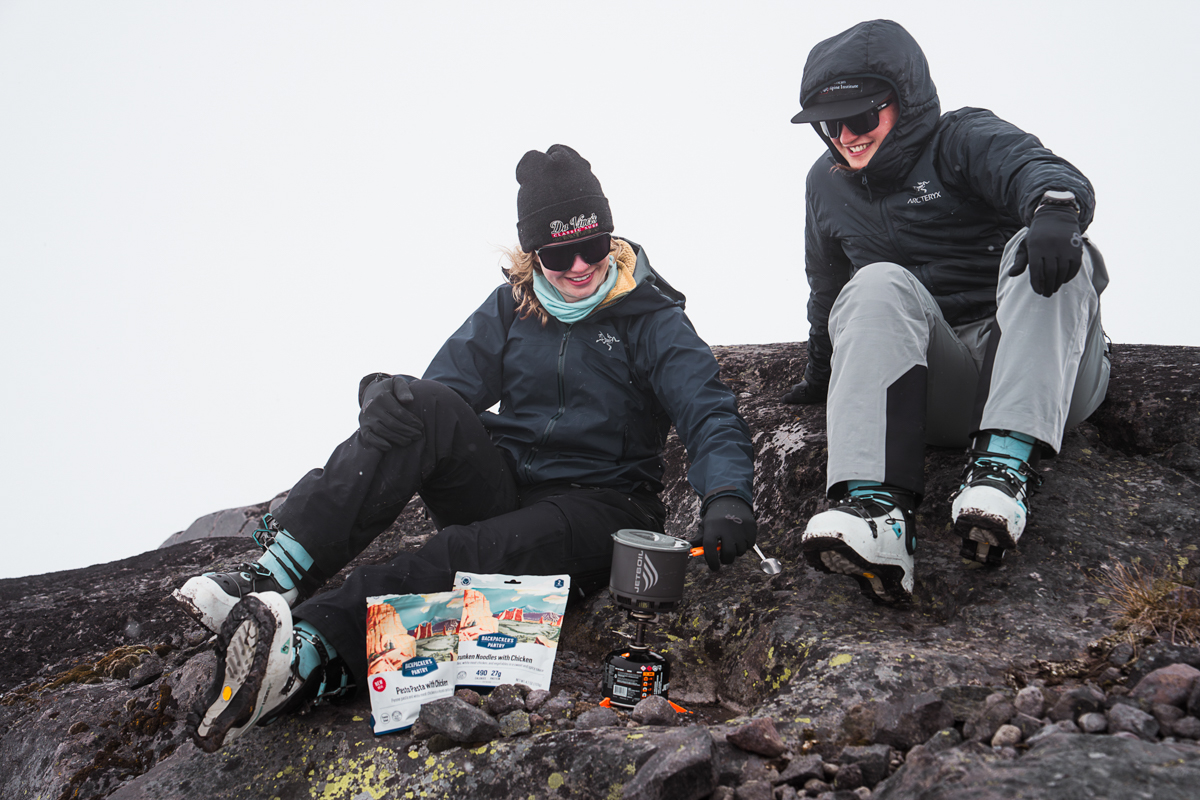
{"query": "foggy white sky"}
(216, 217)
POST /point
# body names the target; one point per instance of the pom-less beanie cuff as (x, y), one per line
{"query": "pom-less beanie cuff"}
(560, 200)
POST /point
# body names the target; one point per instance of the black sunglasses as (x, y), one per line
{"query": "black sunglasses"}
(560, 257)
(859, 124)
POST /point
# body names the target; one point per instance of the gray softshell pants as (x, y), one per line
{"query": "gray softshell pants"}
(903, 377)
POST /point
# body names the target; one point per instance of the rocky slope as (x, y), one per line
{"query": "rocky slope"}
(798, 684)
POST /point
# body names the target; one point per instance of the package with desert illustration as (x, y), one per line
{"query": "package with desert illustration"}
(412, 644)
(510, 627)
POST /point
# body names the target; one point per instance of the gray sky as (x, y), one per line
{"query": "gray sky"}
(216, 217)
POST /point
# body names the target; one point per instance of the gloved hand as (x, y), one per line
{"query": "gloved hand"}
(806, 393)
(384, 421)
(727, 530)
(1052, 249)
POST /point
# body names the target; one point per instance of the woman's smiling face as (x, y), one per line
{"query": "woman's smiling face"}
(581, 280)
(858, 149)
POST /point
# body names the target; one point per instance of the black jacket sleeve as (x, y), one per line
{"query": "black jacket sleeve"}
(1007, 167)
(828, 270)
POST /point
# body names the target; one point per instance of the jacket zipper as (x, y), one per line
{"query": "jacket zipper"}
(562, 405)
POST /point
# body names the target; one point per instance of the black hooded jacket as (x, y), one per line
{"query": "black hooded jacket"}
(941, 196)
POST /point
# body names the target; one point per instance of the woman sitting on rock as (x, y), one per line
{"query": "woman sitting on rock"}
(590, 357)
(953, 300)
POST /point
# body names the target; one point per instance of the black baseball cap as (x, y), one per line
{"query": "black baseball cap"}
(843, 98)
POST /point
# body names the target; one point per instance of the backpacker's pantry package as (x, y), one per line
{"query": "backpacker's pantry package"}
(412, 644)
(510, 627)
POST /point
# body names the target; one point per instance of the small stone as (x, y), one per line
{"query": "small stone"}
(1170, 685)
(802, 769)
(1076, 701)
(536, 699)
(515, 723)
(995, 713)
(758, 736)
(195, 637)
(598, 717)
(1131, 720)
(849, 777)
(1111, 675)
(1031, 701)
(654, 710)
(1121, 655)
(1006, 736)
(1028, 725)
(1008, 753)
(504, 698)
(558, 708)
(1166, 714)
(784, 792)
(146, 672)
(1093, 722)
(873, 760)
(862, 793)
(468, 696)
(1187, 728)
(755, 790)
(831, 770)
(459, 721)
(815, 787)
(944, 740)
(1061, 728)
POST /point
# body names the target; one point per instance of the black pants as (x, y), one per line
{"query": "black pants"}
(488, 524)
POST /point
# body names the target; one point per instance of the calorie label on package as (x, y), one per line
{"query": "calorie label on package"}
(510, 628)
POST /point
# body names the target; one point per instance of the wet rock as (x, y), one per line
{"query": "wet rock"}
(872, 761)
(654, 710)
(681, 767)
(911, 721)
(1169, 685)
(459, 721)
(758, 736)
(1006, 736)
(504, 698)
(1031, 701)
(597, 718)
(1129, 719)
(802, 769)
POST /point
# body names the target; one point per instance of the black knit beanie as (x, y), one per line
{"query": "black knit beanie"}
(559, 199)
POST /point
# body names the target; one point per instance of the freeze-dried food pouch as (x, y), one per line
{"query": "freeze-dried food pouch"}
(510, 628)
(412, 647)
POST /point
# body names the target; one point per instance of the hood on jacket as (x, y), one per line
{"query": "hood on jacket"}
(879, 49)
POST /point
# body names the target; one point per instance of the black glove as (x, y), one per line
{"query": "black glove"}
(384, 421)
(727, 530)
(806, 393)
(1052, 249)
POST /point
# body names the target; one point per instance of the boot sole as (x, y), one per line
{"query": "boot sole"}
(985, 538)
(244, 645)
(879, 582)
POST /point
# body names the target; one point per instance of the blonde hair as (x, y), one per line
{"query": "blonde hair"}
(520, 276)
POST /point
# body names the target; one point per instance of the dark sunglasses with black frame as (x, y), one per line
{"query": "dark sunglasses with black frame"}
(560, 257)
(859, 124)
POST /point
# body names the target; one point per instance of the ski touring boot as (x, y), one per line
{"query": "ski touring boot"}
(281, 569)
(991, 507)
(870, 536)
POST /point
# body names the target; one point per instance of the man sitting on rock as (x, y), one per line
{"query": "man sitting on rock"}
(953, 300)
